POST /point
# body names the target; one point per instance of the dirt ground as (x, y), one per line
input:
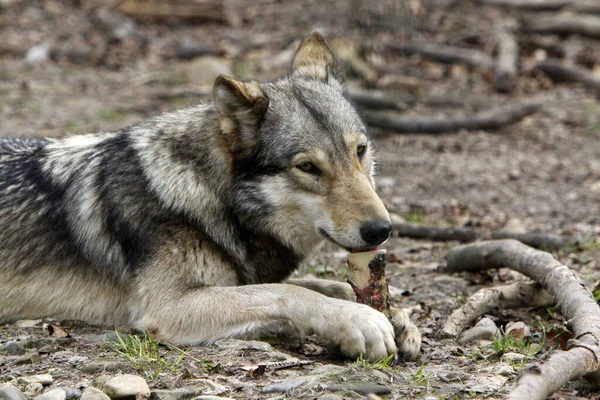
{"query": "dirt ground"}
(542, 173)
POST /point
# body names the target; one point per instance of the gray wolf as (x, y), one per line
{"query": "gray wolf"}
(186, 224)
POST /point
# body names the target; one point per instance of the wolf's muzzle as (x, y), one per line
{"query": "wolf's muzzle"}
(375, 232)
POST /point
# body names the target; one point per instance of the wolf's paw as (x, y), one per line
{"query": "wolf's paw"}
(408, 338)
(360, 330)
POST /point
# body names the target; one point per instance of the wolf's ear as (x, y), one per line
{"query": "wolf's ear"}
(241, 105)
(313, 58)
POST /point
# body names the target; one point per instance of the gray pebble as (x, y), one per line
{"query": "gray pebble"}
(329, 396)
(284, 386)
(126, 387)
(9, 392)
(92, 393)
(54, 394)
(43, 379)
(362, 388)
(178, 394)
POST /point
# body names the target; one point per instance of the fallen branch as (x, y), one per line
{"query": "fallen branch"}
(573, 299)
(506, 61)
(545, 5)
(367, 279)
(376, 99)
(188, 10)
(559, 71)
(488, 300)
(447, 54)
(567, 23)
(545, 241)
(416, 231)
(486, 120)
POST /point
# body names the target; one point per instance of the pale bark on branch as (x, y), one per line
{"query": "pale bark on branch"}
(573, 299)
(488, 300)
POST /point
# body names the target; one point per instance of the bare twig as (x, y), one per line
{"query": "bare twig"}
(573, 299)
(559, 71)
(447, 54)
(567, 23)
(485, 301)
(491, 119)
(506, 62)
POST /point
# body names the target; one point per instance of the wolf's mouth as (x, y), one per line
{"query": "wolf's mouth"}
(350, 249)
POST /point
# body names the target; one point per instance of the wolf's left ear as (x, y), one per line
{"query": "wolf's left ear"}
(241, 105)
(313, 58)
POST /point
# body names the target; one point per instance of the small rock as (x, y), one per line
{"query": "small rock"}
(329, 369)
(518, 330)
(126, 387)
(47, 349)
(43, 379)
(29, 358)
(9, 392)
(507, 357)
(380, 375)
(284, 386)
(54, 394)
(37, 54)
(212, 398)
(100, 338)
(514, 225)
(178, 394)
(28, 323)
(33, 389)
(329, 396)
(12, 348)
(485, 329)
(362, 388)
(111, 366)
(70, 392)
(92, 393)
(504, 370)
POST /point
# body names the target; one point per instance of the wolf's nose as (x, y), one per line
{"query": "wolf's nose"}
(375, 232)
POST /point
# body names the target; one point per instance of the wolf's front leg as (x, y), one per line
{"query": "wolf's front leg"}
(207, 314)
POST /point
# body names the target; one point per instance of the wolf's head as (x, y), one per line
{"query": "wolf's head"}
(302, 160)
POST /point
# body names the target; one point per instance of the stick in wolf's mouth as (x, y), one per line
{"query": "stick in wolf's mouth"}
(367, 279)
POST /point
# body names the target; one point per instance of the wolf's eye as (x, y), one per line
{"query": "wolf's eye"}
(309, 168)
(360, 150)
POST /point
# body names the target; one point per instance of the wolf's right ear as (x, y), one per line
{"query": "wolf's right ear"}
(241, 105)
(313, 58)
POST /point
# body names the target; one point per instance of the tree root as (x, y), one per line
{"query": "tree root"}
(486, 301)
(573, 299)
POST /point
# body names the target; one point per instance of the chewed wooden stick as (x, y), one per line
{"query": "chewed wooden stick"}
(367, 279)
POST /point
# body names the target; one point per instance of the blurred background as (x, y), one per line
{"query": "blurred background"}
(484, 113)
(85, 66)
